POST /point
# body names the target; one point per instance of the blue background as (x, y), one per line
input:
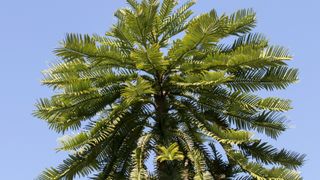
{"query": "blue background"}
(30, 30)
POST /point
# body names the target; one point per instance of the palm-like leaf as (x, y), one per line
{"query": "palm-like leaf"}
(169, 154)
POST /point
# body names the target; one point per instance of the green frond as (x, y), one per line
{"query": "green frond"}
(276, 53)
(254, 40)
(104, 128)
(248, 101)
(166, 8)
(117, 164)
(134, 4)
(139, 91)
(84, 48)
(225, 136)
(267, 154)
(139, 172)
(64, 112)
(199, 165)
(169, 154)
(241, 22)
(267, 79)
(76, 46)
(271, 124)
(175, 23)
(261, 173)
(219, 167)
(113, 43)
(204, 79)
(187, 142)
(213, 130)
(150, 59)
(275, 104)
(180, 15)
(84, 81)
(74, 166)
(197, 158)
(74, 142)
(248, 51)
(201, 31)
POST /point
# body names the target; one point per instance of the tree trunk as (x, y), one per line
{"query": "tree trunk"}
(161, 117)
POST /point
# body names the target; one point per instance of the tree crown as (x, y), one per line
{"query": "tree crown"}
(141, 89)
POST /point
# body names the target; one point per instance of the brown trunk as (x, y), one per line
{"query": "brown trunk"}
(161, 116)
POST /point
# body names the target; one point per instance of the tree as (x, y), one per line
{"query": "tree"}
(140, 90)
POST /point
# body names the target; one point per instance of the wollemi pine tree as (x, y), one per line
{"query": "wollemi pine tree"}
(140, 90)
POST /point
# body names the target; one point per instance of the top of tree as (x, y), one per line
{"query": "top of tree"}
(141, 89)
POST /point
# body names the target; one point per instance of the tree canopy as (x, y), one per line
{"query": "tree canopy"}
(162, 81)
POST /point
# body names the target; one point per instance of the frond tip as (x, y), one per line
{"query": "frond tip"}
(169, 154)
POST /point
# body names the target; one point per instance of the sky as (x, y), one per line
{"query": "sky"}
(30, 30)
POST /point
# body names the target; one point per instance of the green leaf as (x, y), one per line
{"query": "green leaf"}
(204, 79)
(139, 172)
(149, 60)
(267, 154)
(169, 154)
(139, 91)
(261, 173)
(267, 79)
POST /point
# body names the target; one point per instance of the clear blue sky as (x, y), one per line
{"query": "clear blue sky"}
(30, 30)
